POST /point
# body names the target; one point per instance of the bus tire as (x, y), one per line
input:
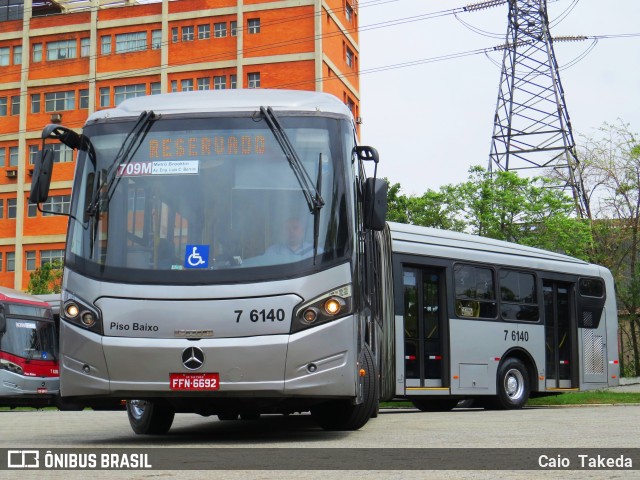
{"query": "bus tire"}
(148, 418)
(513, 385)
(434, 404)
(342, 414)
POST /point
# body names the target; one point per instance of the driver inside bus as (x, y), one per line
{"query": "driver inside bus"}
(293, 242)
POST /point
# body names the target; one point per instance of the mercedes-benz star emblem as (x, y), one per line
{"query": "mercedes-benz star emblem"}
(192, 358)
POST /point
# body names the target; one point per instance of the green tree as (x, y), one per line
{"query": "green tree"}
(46, 279)
(438, 209)
(528, 211)
(610, 169)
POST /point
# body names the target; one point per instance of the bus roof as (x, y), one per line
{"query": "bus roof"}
(10, 295)
(242, 100)
(412, 239)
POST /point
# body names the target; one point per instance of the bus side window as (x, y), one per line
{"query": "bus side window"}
(475, 292)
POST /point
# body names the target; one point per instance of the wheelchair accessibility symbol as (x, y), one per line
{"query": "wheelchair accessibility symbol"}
(196, 256)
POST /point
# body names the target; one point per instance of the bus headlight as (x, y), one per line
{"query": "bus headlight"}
(77, 311)
(329, 306)
(12, 367)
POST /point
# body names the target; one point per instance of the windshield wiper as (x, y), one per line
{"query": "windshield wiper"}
(311, 192)
(107, 181)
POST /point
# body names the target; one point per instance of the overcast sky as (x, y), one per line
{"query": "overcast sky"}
(431, 122)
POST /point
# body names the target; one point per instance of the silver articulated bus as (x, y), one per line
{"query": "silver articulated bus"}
(477, 318)
(29, 373)
(228, 255)
(217, 259)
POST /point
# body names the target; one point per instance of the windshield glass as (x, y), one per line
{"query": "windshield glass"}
(29, 338)
(209, 199)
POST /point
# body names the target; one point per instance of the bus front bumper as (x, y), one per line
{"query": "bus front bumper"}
(318, 362)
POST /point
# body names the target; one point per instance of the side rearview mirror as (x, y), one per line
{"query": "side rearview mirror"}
(41, 177)
(64, 135)
(43, 168)
(375, 203)
(367, 154)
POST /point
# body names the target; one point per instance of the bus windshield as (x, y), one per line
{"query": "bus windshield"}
(208, 199)
(29, 338)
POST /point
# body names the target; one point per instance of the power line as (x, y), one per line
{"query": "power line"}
(263, 46)
(395, 66)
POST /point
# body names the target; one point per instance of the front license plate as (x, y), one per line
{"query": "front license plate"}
(194, 381)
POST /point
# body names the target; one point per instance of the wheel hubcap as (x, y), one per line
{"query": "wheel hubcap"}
(137, 408)
(514, 384)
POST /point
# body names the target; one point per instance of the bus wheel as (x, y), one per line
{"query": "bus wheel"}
(512, 385)
(342, 414)
(434, 404)
(148, 418)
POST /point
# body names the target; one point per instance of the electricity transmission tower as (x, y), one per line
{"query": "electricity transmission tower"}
(532, 129)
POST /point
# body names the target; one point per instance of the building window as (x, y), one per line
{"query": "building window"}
(351, 106)
(105, 44)
(348, 11)
(156, 39)
(131, 42)
(0, 261)
(220, 83)
(56, 204)
(13, 157)
(11, 208)
(204, 83)
(349, 57)
(37, 52)
(33, 154)
(15, 105)
(156, 88)
(204, 32)
(105, 95)
(174, 86)
(233, 81)
(174, 34)
(85, 44)
(253, 25)
(11, 261)
(234, 28)
(187, 85)
(128, 91)
(35, 103)
(1, 208)
(84, 98)
(61, 50)
(30, 260)
(4, 56)
(57, 101)
(187, 33)
(61, 153)
(220, 30)
(3, 106)
(3, 156)
(17, 55)
(253, 80)
(50, 256)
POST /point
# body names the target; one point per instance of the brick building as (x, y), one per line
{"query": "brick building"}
(64, 59)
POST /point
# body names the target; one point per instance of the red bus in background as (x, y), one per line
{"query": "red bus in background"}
(29, 374)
